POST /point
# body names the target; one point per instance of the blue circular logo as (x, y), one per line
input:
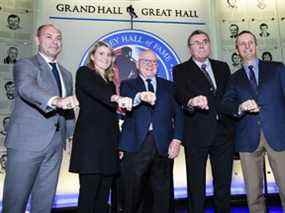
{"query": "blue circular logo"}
(127, 45)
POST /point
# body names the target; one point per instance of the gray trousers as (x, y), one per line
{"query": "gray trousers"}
(32, 174)
(252, 167)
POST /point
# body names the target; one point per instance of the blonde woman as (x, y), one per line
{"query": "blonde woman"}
(94, 154)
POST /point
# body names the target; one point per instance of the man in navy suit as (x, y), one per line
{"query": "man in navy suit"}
(151, 137)
(256, 97)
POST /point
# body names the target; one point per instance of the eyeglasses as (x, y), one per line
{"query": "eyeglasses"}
(149, 62)
(199, 43)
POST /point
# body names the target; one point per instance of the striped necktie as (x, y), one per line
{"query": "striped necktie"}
(252, 77)
(205, 72)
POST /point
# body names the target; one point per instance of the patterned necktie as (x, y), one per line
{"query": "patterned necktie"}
(252, 78)
(149, 85)
(205, 72)
(56, 76)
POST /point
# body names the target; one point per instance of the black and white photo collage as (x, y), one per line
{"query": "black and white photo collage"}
(16, 26)
(263, 18)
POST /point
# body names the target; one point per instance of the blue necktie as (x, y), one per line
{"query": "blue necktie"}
(252, 78)
(56, 76)
(150, 88)
(149, 85)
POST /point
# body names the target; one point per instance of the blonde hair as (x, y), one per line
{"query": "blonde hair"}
(109, 72)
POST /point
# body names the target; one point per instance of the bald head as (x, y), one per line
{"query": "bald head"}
(42, 28)
(147, 64)
(49, 41)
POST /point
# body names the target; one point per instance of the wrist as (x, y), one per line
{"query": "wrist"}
(240, 110)
(189, 103)
(139, 95)
(115, 98)
(55, 101)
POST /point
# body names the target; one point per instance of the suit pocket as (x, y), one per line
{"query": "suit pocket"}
(28, 136)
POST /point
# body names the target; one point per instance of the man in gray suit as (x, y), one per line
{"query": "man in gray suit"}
(40, 122)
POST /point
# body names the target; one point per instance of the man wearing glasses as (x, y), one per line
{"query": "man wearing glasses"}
(200, 85)
(151, 137)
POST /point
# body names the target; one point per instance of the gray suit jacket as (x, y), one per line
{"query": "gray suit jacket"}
(33, 123)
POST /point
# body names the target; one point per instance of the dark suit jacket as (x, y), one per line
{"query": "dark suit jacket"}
(166, 117)
(200, 126)
(270, 97)
(96, 133)
(8, 60)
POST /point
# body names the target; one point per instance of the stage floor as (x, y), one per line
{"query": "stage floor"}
(68, 186)
(181, 208)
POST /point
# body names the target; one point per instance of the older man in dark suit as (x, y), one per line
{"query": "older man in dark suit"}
(256, 98)
(150, 138)
(40, 122)
(200, 84)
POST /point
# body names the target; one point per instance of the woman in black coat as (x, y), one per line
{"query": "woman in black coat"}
(94, 154)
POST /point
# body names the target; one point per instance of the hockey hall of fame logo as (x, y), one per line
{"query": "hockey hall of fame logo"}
(127, 44)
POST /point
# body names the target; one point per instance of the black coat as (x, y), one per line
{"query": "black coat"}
(200, 126)
(96, 133)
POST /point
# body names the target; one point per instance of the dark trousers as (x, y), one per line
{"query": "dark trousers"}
(146, 171)
(94, 193)
(117, 195)
(117, 198)
(221, 158)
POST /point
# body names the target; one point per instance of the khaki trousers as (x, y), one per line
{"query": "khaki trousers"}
(252, 164)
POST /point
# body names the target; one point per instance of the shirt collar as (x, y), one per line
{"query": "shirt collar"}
(144, 79)
(254, 63)
(46, 58)
(199, 64)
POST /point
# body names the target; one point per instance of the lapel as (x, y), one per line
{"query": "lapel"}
(196, 71)
(218, 78)
(66, 80)
(139, 84)
(199, 76)
(46, 74)
(245, 83)
(263, 75)
(159, 90)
